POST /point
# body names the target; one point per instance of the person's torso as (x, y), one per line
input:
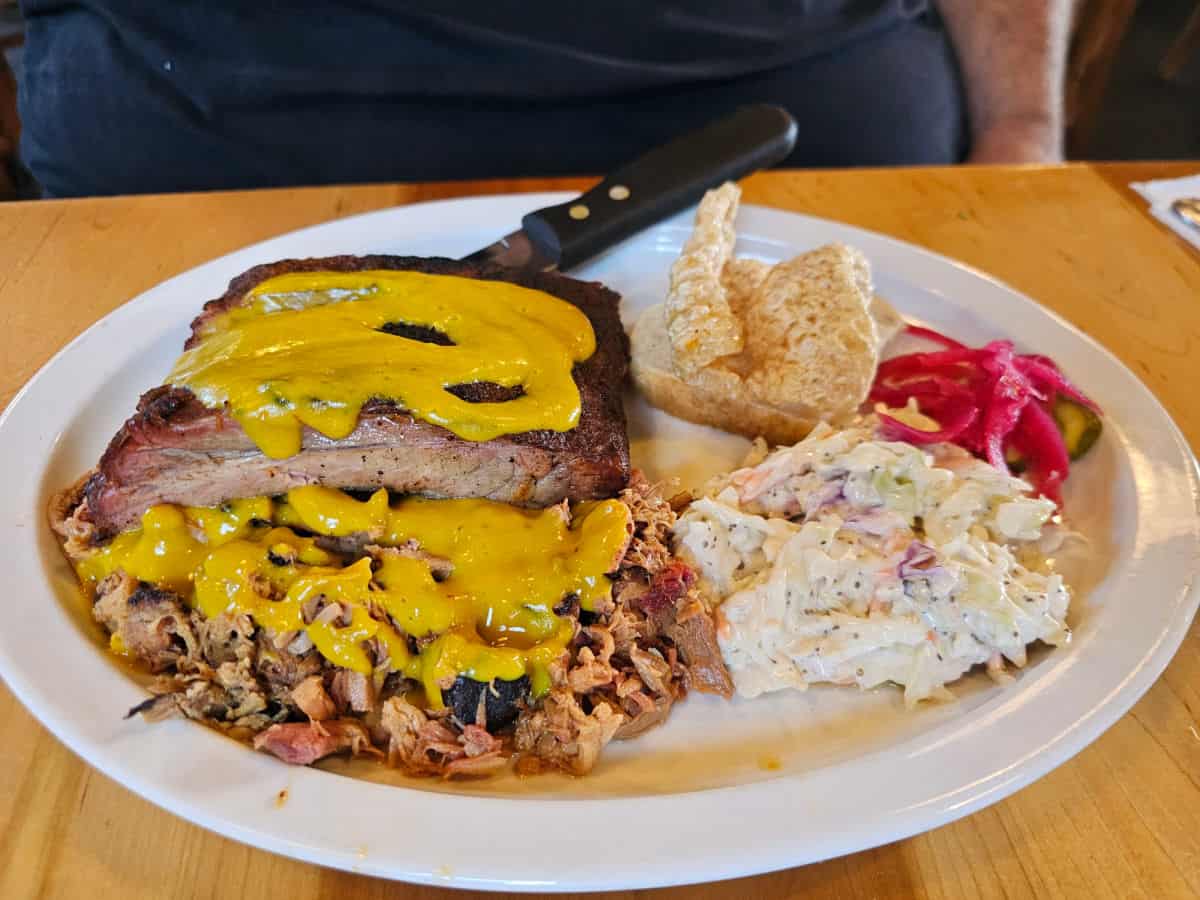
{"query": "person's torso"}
(510, 49)
(125, 96)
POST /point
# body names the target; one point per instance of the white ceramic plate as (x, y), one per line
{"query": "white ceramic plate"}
(725, 788)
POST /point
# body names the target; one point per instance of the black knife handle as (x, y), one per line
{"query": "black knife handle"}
(664, 181)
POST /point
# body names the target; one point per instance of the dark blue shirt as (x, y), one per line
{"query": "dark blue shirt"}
(127, 95)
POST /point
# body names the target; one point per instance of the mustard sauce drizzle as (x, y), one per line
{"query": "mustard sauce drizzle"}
(307, 349)
(492, 614)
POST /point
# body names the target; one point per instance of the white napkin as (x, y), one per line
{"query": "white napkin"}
(1161, 194)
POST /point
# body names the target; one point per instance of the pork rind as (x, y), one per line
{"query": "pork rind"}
(756, 348)
(810, 337)
(700, 324)
(741, 278)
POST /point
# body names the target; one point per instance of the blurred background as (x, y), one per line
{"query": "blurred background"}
(1132, 91)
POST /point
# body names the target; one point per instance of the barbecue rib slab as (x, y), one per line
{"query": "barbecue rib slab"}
(175, 450)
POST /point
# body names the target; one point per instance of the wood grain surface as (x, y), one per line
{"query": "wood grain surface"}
(1121, 820)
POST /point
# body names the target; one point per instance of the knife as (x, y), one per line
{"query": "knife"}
(665, 180)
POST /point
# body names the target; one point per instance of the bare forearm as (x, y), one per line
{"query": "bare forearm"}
(1013, 56)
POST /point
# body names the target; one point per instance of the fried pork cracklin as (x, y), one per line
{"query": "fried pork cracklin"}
(852, 560)
(287, 584)
(760, 349)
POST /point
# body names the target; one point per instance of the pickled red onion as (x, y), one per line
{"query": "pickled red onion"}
(985, 399)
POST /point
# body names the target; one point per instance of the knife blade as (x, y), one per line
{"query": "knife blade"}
(645, 191)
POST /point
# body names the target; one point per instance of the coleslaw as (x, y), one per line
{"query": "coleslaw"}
(854, 560)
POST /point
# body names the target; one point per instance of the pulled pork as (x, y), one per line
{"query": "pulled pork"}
(313, 700)
(151, 624)
(640, 654)
(558, 733)
(424, 745)
(631, 659)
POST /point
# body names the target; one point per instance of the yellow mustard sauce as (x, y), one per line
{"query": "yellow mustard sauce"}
(502, 571)
(307, 349)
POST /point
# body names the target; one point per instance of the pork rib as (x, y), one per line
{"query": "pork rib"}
(175, 450)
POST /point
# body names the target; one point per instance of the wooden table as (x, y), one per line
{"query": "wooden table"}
(1120, 820)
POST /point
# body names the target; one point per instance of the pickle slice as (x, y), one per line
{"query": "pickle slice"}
(1080, 426)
